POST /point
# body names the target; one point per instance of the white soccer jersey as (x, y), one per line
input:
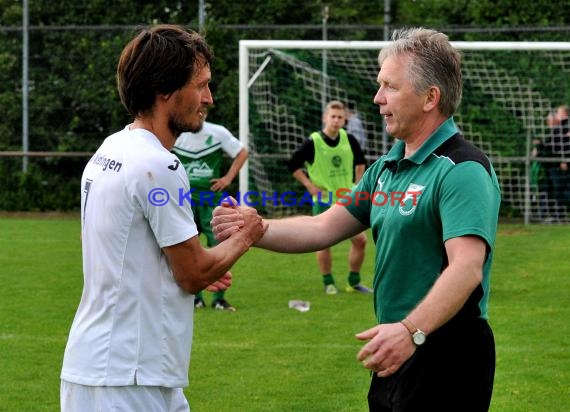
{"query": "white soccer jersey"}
(210, 138)
(201, 153)
(134, 323)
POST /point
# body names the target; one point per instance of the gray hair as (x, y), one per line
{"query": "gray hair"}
(434, 62)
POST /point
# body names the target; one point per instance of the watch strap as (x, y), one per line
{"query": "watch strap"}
(409, 325)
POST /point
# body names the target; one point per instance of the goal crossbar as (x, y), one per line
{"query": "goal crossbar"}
(249, 75)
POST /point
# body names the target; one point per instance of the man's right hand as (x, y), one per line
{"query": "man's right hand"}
(229, 218)
(226, 219)
(254, 226)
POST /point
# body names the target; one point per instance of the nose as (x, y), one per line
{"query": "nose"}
(379, 98)
(207, 97)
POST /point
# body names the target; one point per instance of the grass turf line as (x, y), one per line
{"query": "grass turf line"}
(267, 357)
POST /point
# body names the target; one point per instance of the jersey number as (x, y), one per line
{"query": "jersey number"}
(86, 191)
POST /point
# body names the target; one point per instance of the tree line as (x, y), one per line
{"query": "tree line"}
(74, 47)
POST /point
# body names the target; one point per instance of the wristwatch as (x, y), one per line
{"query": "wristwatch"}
(418, 336)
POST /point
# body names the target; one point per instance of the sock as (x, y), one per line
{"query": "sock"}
(353, 278)
(219, 295)
(328, 279)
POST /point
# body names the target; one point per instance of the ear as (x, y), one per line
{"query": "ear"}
(432, 98)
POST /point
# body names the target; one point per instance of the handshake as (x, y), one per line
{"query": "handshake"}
(229, 219)
(243, 226)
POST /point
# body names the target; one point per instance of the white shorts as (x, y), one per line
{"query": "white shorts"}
(81, 398)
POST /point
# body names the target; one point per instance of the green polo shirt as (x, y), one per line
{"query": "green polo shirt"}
(446, 189)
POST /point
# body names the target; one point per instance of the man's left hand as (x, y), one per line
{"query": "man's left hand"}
(389, 346)
(220, 184)
(222, 283)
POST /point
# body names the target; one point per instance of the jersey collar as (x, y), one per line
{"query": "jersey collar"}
(440, 135)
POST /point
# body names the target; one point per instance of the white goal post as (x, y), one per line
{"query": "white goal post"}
(508, 93)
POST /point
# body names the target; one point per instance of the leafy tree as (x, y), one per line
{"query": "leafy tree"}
(74, 46)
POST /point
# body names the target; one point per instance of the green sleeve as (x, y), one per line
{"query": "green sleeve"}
(469, 203)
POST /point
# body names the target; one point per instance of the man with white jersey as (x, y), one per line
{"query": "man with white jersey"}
(129, 344)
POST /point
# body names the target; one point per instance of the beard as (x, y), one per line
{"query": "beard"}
(178, 126)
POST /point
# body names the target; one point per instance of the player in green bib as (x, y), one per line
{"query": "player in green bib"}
(334, 161)
(202, 154)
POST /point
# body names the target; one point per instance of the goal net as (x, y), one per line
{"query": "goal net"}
(509, 90)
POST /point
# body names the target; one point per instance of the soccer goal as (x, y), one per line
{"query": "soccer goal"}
(509, 90)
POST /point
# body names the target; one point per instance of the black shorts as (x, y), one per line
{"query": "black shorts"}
(452, 372)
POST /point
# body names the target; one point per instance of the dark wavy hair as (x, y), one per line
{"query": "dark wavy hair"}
(158, 60)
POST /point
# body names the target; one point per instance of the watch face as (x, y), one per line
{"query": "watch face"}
(419, 337)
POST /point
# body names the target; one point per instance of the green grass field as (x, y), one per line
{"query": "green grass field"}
(267, 357)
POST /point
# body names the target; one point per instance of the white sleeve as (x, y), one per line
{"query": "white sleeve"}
(230, 144)
(163, 195)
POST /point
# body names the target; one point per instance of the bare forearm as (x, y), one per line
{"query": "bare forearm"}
(236, 165)
(309, 233)
(222, 257)
(358, 172)
(445, 299)
(293, 235)
(302, 178)
(454, 285)
(195, 267)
